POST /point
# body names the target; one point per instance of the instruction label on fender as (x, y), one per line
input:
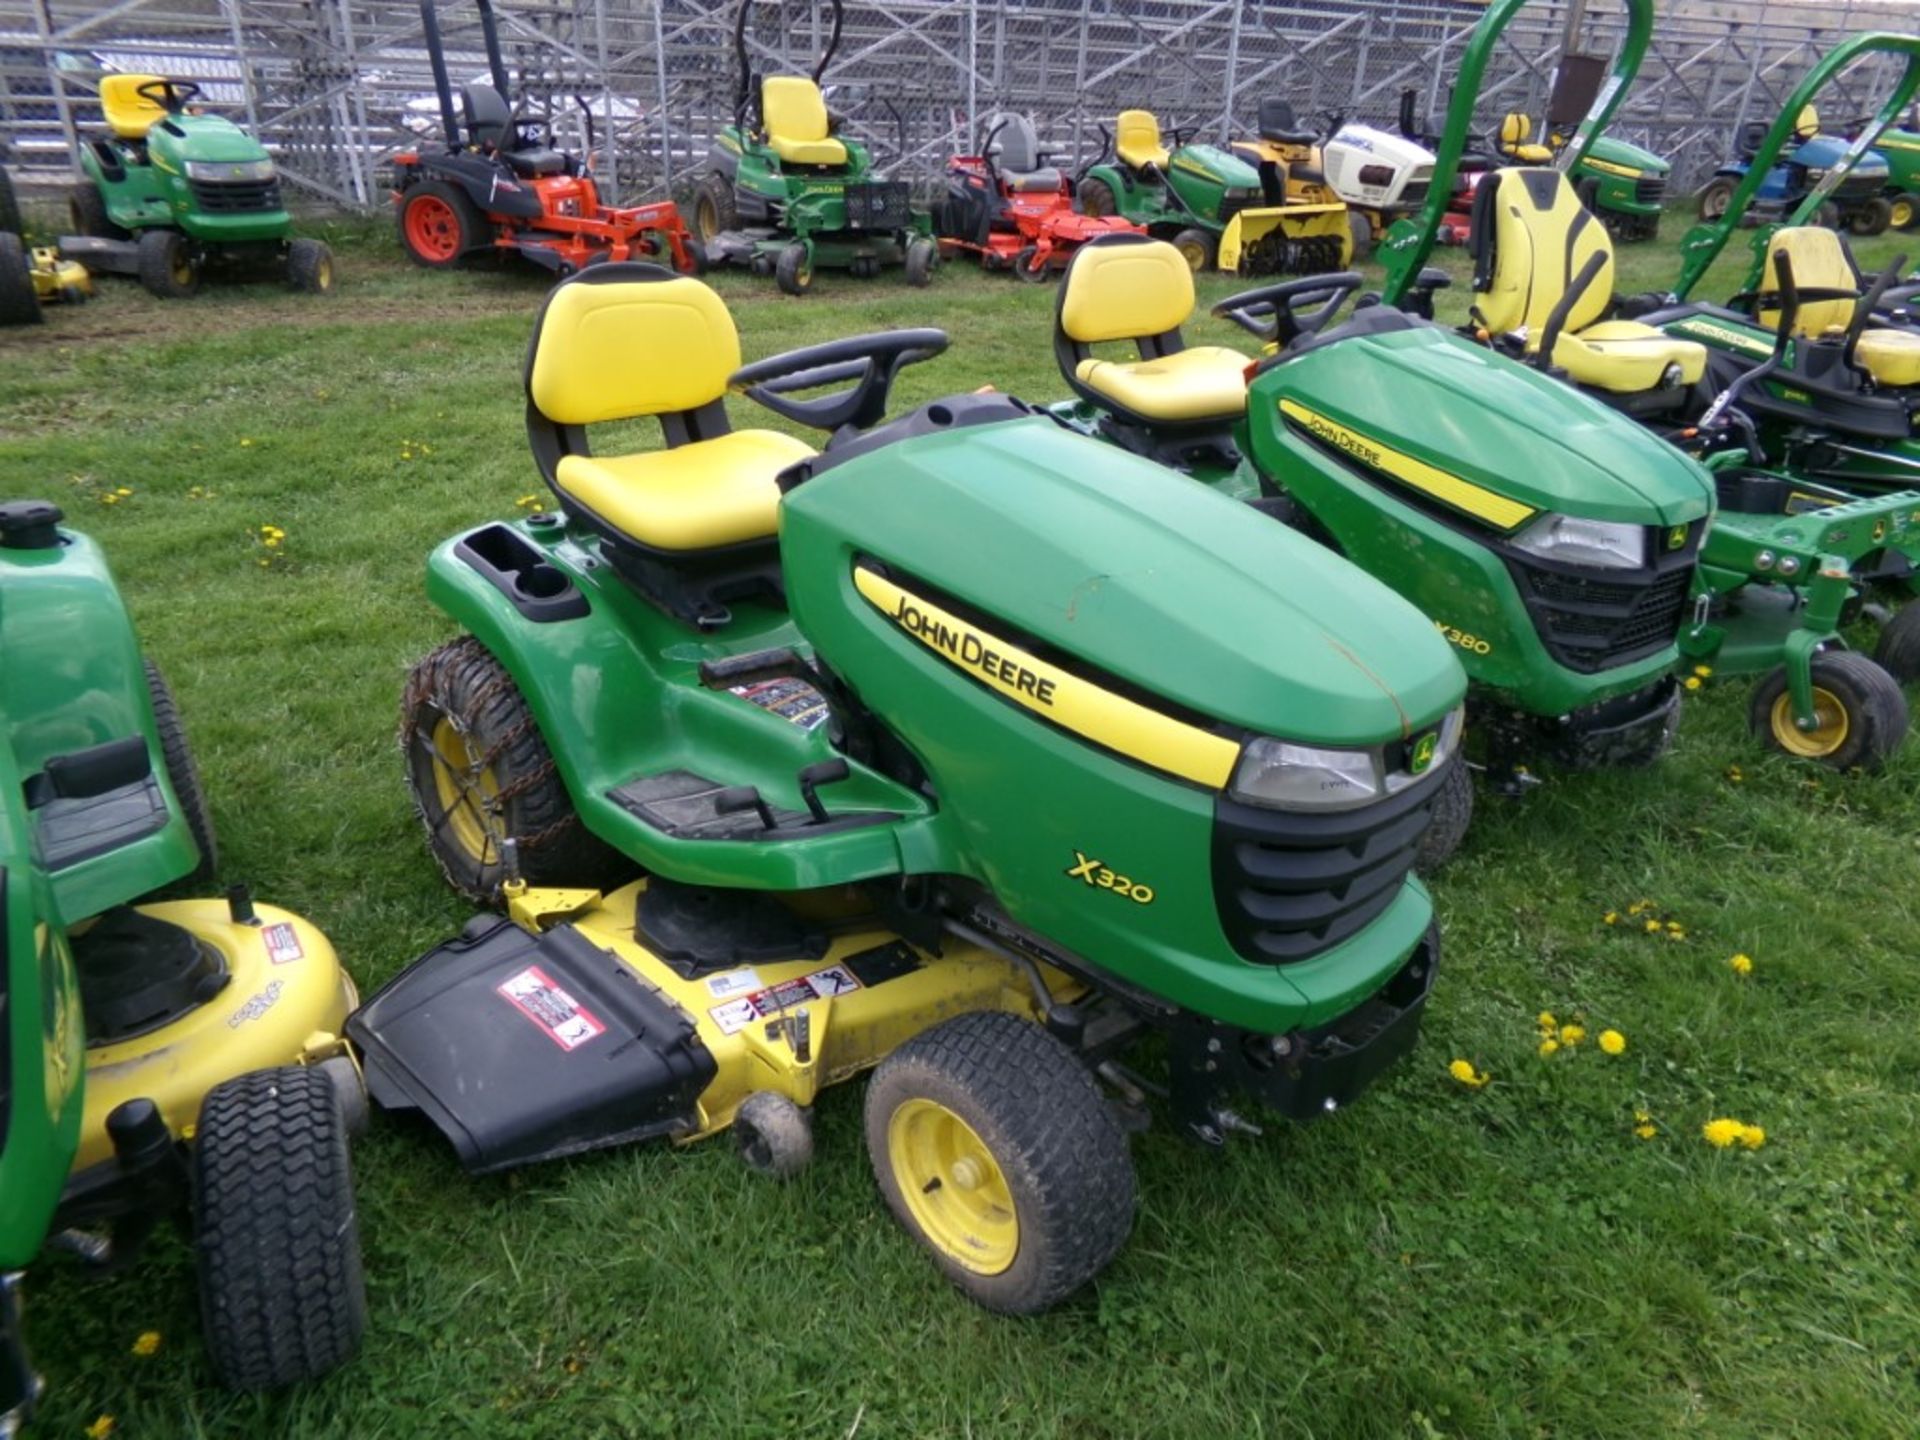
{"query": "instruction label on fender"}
(733, 982)
(564, 1020)
(824, 984)
(789, 697)
(283, 944)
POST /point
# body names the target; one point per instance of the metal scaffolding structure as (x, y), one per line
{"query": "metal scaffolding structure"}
(336, 87)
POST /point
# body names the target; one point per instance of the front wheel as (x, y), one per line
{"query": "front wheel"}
(310, 267)
(1872, 217)
(1028, 266)
(19, 301)
(715, 211)
(1860, 716)
(282, 1296)
(438, 224)
(1904, 211)
(1360, 231)
(1196, 247)
(1716, 197)
(922, 256)
(168, 266)
(1452, 815)
(995, 1150)
(481, 774)
(793, 271)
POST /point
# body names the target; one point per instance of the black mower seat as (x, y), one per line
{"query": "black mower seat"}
(534, 163)
(1127, 287)
(1015, 152)
(1279, 124)
(619, 342)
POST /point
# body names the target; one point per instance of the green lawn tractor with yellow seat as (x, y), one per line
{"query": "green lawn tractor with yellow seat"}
(944, 757)
(1548, 540)
(172, 191)
(159, 1058)
(1784, 559)
(787, 196)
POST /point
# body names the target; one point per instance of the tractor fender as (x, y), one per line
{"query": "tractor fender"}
(723, 161)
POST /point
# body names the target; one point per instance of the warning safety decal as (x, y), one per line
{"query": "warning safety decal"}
(736, 1015)
(283, 944)
(565, 1020)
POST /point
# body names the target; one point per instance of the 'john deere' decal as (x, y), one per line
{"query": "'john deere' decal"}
(1123, 726)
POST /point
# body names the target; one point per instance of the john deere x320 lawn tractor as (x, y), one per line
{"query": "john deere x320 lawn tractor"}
(158, 1058)
(171, 190)
(945, 756)
(788, 196)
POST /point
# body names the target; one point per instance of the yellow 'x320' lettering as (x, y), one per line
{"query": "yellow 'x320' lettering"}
(1101, 878)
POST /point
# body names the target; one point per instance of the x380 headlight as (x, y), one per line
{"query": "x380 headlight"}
(1603, 544)
(229, 170)
(1283, 775)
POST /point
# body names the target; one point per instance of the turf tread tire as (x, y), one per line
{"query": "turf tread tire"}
(1898, 649)
(471, 229)
(282, 1293)
(159, 254)
(310, 266)
(922, 255)
(19, 301)
(773, 1135)
(182, 773)
(1452, 815)
(791, 272)
(1052, 1132)
(1876, 708)
(715, 200)
(463, 681)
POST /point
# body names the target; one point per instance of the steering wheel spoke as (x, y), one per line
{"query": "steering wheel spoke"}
(1278, 314)
(868, 362)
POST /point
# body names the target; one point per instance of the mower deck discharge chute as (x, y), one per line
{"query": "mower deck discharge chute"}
(499, 185)
(955, 772)
(171, 189)
(787, 195)
(1209, 203)
(132, 1025)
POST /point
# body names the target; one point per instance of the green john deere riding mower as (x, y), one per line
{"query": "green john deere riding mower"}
(943, 755)
(158, 1058)
(170, 190)
(1209, 203)
(1785, 557)
(788, 196)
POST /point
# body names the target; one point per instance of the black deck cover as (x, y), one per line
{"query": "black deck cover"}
(523, 1047)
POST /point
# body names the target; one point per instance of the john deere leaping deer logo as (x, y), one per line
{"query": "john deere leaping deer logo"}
(1421, 756)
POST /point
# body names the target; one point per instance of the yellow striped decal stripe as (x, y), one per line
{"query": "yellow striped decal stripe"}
(1121, 725)
(1463, 495)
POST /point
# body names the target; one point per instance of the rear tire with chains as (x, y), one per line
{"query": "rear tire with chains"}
(481, 773)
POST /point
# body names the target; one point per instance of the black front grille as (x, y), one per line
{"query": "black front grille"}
(1289, 884)
(880, 205)
(1650, 189)
(1415, 192)
(1857, 188)
(234, 197)
(1589, 624)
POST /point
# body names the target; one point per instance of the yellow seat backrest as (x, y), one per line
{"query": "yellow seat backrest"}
(1806, 124)
(621, 349)
(1819, 261)
(1543, 238)
(128, 113)
(792, 107)
(1122, 292)
(1515, 129)
(1136, 139)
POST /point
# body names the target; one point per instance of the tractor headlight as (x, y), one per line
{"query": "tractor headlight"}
(1603, 544)
(229, 170)
(1282, 775)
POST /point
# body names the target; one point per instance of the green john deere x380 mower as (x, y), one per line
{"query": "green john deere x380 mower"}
(170, 189)
(945, 754)
(788, 196)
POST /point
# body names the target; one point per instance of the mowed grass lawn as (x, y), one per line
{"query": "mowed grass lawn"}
(1512, 1260)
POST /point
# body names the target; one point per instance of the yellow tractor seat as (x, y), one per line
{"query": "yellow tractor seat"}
(1136, 140)
(128, 113)
(794, 115)
(691, 524)
(1515, 132)
(1133, 289)
(1531, 240)
(1820, 260)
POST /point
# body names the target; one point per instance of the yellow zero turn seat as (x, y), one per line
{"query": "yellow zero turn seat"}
(1130, 288)
(1136, 140)
(128, 113)
(1516, 130)
(619, 342)
(1820, 260)
(1531, 239)
(794, 115)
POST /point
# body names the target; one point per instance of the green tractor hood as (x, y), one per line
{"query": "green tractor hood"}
(1212, 164)
(1611, 151)
(1072, 548)
(209, 139)
(1531, 442)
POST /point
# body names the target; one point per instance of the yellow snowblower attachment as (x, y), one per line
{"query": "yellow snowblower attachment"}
(1287, 240)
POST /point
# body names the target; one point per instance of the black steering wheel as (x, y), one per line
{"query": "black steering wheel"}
(1178, 135)
(172, 96)
(869, 362)
(1274, 313)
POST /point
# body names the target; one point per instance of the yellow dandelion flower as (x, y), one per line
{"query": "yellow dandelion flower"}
(528, 502)
(1693, 682)
(1463, 1071)
(246, 444)
(1753, 1137)
(1653, 927)
(264, 561)
(1571, 1035)
(1612, 917)
(1703, 671)
(1639, 905)
(1548, 1046)
(1741, 964)
(1734, 774)
(123, 490)
(1674, 932)
(101, 1428)
(1722, 1133)
(1613, 1042)
(1645, 1131)
(148, 1343)
(1643, 1116)
(1546, 1021)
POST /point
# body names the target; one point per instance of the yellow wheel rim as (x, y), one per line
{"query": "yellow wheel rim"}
(323, 276)
(1194, 255)
(1902, 214)
(1827, 735)
(468, 793)
(953, 1187)
(183, 271)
